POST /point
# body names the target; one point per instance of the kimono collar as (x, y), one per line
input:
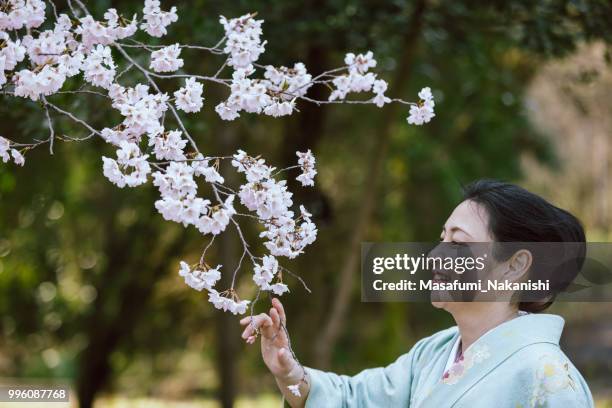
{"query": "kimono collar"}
(490, 351)
(528, 328)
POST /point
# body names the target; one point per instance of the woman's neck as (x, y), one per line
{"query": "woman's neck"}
(476, 318)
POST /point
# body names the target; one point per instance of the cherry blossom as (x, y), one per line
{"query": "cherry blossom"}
(200, 278)
(168, 145)
(264, 273)
(156, 20)
(218, 218)
(5, 148)
(17, 157)
(93, 32)
(22, 14)
(424, 111)
(166, 59)
(189, 98)
(226, 303)
(360, 63)
(307, 164)
(129, 157)
(295, 389)
(201, 167)
(99, 67)
(243, 45)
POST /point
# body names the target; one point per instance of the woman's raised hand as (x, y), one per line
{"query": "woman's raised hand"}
(274, 343)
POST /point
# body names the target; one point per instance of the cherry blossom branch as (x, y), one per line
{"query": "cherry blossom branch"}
(36, 60)
(74, 118)
(50, 124)
(38, 56)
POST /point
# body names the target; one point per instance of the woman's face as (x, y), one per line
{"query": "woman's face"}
(469, 222)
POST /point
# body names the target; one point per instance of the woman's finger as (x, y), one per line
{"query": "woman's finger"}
(256, 322)
(280, 309)
(276, 326)
(275, 319)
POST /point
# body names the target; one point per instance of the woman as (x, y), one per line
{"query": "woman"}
(500, 354)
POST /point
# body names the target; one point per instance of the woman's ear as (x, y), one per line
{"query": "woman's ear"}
(519, 264)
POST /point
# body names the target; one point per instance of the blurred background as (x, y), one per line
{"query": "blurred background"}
(89, 291)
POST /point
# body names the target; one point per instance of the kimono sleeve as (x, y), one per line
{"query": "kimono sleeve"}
(567, 398)
(382, 387)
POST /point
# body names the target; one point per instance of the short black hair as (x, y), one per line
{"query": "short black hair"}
(518, 215)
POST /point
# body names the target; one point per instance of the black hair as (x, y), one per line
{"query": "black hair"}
(517, 215)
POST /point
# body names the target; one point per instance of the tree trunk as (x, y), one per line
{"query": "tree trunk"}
(333, 327)
(303, 132)
(122, 300)
(226, 324)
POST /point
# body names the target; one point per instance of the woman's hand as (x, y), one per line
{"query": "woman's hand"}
(274, 342)
(275, 350)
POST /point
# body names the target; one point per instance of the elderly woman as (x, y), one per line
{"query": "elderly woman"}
(500, 354)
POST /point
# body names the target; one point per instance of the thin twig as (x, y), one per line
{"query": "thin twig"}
(50, 123)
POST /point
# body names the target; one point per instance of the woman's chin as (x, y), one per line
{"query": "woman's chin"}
(438, 304)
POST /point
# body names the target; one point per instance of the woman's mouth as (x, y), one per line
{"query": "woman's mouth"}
(439, 277)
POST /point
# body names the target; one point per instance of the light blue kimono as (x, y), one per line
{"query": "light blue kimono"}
(518, 364)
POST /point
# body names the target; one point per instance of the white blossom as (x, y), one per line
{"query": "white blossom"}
(93, 32)
(168, 145)
(360, 63)
(279, 288)
(218, 218)
(99, 67)
(278, 109)
(226, 303)
(2, 68)
(264, 273)
(254, 168)
(422, 112)
(295, 389)
(129, 157)
(17, 157)
(200, 278)
(189, 98)
(22, 13)
(33, 85)
(379, 87)
(307, 163)
(5, 147)
(288, 83)
(166, 59)
(142, 111)
(227, 111)
(178, 189)
(353, 82)
(243, 44)
(201, 168)
(13, 51)
(156, 20)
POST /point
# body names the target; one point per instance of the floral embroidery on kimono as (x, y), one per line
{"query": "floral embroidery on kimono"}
(551, 377)
(473, 355)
